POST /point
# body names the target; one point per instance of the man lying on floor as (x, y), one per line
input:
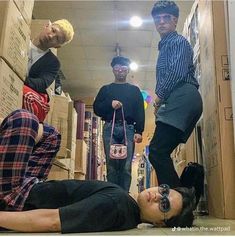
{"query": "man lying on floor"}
(29, 204)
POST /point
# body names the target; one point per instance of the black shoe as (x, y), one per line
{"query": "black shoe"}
(193, 176)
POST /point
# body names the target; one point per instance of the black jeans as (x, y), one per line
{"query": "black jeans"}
(165, 139)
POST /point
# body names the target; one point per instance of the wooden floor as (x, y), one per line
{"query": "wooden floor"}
(203, 225)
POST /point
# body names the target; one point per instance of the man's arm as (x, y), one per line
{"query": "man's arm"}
(140, 116)
(177, 67)
(102, 104)
(40, 220)
(156, 104)
(46, 72)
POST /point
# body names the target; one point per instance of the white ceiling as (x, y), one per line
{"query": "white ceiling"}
(99, 26)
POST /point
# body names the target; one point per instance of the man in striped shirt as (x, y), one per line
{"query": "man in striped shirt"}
(178, 104)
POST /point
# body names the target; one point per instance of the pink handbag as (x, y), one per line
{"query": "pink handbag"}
(118, 151)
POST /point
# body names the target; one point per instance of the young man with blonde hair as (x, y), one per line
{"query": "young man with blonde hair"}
(43, 66)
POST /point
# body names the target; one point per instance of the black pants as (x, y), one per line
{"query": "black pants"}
(165, 139)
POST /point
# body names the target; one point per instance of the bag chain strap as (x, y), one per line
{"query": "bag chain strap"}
(124, 127)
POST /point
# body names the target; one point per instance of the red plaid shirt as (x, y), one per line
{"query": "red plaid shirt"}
(22, 162)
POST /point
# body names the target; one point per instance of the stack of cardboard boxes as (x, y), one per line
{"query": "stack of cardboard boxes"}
(15, 19)
(90, 158)
(63, 116)
(71, 160)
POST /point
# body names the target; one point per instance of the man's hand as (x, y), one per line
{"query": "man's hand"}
(156, 104)
(137, 138)
(116, 104)
(157, 100)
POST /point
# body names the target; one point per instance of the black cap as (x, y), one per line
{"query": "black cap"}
(121, 61)
(165, 7)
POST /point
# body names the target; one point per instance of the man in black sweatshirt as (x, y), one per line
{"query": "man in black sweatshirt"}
(115, 97)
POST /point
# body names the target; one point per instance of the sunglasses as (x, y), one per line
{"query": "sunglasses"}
(164, 203)
(165, 18)
(120, 67)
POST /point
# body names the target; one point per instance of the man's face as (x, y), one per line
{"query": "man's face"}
(51, 36)
(165, 23)
(120, 72)
(151, 204)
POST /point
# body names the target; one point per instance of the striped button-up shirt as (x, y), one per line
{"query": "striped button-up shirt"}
(174, 64)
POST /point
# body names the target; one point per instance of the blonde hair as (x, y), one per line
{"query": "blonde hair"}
(67, 29)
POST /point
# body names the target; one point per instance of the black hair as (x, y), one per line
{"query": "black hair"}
(121, 61)
(186, 217)
(165, 7)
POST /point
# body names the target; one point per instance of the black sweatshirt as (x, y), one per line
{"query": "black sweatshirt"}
(43, 73)
(86, 205)
(131, 99)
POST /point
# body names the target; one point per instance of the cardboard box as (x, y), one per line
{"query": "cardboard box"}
(79, 175)
(26, 9)
(72, 152)
(72, 117)
(72, 129)
(60, 121)
(81, 156)
(11, 90)
(68, 164)
(153, 178)
(72, 168)
(14, 38)
(179, 167)
(51, 92)
(190, 149)
(179, 158)
(231, 36)
(217, 128)
(58, 172)
(58, 118)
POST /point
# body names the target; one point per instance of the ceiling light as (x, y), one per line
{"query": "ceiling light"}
(136, 21)
(134, 66)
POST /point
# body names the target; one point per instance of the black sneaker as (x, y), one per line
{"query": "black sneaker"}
(193, 176)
